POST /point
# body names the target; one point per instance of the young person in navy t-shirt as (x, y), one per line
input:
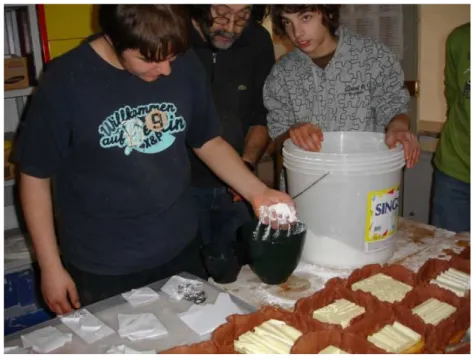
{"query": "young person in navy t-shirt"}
(103, 148)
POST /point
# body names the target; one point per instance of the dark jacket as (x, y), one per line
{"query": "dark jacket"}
(237, 77)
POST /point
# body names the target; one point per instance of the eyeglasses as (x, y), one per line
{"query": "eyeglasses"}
(223, 20)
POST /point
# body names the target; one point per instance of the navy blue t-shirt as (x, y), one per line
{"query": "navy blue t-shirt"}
(115, 148)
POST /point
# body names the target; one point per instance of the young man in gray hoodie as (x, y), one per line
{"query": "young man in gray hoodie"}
(334, 80)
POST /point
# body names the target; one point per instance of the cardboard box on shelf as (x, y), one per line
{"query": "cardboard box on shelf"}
(15, 73)
(9, 169)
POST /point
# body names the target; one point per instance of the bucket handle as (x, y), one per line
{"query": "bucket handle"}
(313, 184)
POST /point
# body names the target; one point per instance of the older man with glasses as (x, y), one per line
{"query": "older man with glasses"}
(237, 54)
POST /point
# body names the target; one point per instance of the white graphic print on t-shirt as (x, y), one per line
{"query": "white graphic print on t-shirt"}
(147, 129)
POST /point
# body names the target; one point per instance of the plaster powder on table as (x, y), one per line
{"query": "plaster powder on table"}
(317, 277)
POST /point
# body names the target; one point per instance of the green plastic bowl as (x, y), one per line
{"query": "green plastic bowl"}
(273, 257)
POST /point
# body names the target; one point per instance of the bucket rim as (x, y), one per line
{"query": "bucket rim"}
(341, 158)
(291, 158)
(357, 172)
(321, 167)
(322, 155)
(292, 148)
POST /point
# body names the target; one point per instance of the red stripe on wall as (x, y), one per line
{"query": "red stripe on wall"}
(43, 32)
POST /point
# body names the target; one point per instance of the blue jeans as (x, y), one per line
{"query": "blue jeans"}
(219, 216)
(450, 203)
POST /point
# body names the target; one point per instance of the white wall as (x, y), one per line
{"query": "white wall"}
(436, 22)
(280, 46)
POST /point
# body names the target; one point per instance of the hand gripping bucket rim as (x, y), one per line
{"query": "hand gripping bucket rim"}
(346, 168)
(338, 160)
(335, 144)
(320, 166)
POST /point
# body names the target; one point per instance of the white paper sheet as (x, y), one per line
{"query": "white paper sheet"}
(207, 318)
(87, 326)
(137, 327)
(14, 350)
(142, 296)
(46, 339)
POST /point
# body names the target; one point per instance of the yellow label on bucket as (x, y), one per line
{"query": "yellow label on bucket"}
(382, 215)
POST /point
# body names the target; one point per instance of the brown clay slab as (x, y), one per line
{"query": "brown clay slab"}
(314, 342)
(204, 347)
(372, 325)
(397, 272)
(439, 336)
(327, 296)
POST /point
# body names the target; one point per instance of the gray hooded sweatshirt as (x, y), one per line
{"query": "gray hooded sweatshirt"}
(361, 89)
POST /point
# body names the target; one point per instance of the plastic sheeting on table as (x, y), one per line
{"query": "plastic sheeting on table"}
(165, 309)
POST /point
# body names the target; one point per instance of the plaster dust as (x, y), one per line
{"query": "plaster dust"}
(415, 244)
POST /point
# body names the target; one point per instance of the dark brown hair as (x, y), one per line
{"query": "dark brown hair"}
(157, 31)
(330, 16)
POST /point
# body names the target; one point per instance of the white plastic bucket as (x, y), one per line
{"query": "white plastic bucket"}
(314, 161)
(357, 158)
(312, 175)
(352, 213)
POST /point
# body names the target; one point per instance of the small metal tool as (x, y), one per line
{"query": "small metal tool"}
(313, 184)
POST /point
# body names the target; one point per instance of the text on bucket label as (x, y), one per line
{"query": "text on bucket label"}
(381, 215)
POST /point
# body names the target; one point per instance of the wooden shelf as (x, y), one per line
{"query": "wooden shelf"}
(10, 94)
(430, 128)
(10, 182)
(13, 6)
(21, 26)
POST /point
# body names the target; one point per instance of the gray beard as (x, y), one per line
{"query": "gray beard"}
(220, 46)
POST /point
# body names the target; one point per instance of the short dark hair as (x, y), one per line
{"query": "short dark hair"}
(330, 16)
(157, 31)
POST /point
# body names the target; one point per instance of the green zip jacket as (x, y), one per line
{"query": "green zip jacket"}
(453, 152)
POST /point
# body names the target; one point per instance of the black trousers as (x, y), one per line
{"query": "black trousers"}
(95, 287)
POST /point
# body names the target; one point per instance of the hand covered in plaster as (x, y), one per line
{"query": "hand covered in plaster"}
(267, 198)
